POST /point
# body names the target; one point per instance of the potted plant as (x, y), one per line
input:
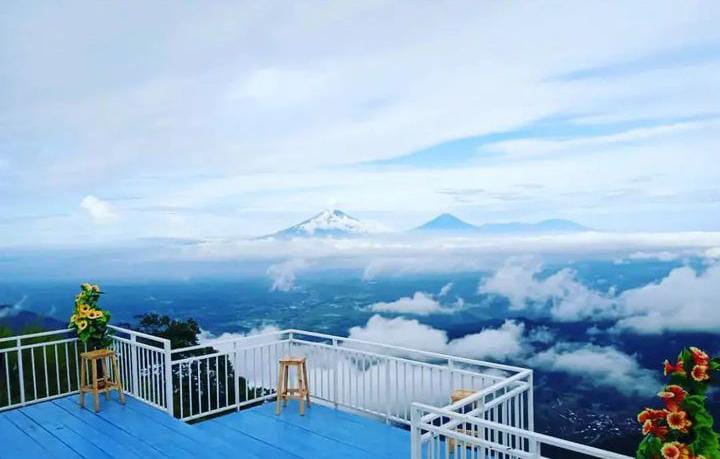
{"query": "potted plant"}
(89, 320)
(683, 429)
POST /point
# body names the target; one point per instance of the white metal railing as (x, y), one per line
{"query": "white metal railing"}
(144, 370)
(400, 385)
(444, 433)
(377, 379)
(42, 366)
(38, 367)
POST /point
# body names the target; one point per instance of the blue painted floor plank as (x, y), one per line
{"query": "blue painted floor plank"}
(61, 429)
(158, 436)
(288, 437)
(360, 432)
(40, 435)
(16, 443)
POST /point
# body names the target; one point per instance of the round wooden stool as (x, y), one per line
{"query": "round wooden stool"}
(105, 384)
(284, 392)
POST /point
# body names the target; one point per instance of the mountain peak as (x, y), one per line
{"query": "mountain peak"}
(329, 222)
(446, 222)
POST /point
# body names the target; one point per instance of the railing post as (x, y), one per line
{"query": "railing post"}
(336, 376)
(534, 447)
(134, 364)
(236, 376)
(169, 396)
(415, 437)
(451, 366)
(20, 369)
(387, 391)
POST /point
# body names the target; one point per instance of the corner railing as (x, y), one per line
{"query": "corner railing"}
(41, 366)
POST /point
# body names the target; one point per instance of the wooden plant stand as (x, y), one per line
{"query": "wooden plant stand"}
(301, 392)
(104, 384)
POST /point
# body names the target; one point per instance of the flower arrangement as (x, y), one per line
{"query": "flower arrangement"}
(88, 320)
(684, 428)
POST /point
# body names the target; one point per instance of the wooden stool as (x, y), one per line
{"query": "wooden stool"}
(455, 397)
(301, 392)
(104, 384)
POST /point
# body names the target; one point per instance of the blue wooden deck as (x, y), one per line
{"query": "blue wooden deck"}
(61, 429)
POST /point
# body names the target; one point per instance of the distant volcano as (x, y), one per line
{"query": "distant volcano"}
(328, 223)
(447, 223)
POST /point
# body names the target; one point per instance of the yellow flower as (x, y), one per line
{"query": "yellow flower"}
(82, 324)
(84, 310)
(73, 318)
(95, 314)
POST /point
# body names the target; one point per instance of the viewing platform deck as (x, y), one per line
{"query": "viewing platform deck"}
(61, 429)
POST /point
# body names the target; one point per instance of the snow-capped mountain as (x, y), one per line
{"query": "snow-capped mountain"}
(334, 223)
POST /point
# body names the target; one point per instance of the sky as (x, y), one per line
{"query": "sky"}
(200, 120)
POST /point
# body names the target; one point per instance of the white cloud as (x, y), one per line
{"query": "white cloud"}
(660, 256)
(217, 341)
(283, 274)
(100, 211)
(568, 298)
(599, 366)
(502, 343)
(401, 332)
(420, 303)
(446, 289)
(685, 300)
(13, 309)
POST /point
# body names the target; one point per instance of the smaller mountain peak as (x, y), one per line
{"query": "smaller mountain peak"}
(446, 222)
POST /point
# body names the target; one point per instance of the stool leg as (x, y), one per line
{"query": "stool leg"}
(278, 395)
(286, 384)
(106, 380)
(96, 396)
(301, 384)
(305, 380)
(82, 382)
(117, 379)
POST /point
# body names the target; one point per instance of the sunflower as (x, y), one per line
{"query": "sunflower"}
(73, 318)
(95, 314)
(84, 310)
(82, 324)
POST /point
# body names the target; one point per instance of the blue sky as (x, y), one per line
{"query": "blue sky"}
(221, 120)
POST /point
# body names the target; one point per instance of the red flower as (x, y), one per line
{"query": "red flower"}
(652, 427)
(678, 420)
(669, 368)
(700, 373)
(699, 357)
(675, 450)
(673, 396)
(651, 414)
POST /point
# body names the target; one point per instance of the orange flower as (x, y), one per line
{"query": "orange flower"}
(651, 414)
(700, 373)
(652, 427)
(699, 357)
(669, 368)
(675, 450)
(673, 396)
(678, 420)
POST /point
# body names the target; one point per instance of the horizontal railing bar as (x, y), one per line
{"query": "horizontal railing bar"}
(34, 345)
(542, 438)
(480, 394)
(225, 353)
(138, 344)
(437, 355)
(402, 359)
(220, 342)
(139, 334)
(35, 335)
